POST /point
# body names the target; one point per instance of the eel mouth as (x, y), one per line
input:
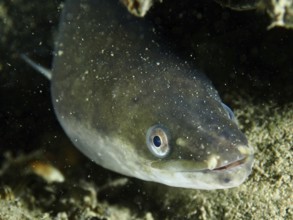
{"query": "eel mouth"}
(189, 166)
(242, 162)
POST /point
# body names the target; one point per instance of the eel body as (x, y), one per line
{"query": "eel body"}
(134, 107)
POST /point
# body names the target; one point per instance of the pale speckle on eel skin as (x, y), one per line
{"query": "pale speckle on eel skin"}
(134, 107)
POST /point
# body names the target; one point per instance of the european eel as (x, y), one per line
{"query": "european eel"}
(134, 107)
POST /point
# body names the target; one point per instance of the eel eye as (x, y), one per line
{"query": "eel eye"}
(229, 112)
(157, 141)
